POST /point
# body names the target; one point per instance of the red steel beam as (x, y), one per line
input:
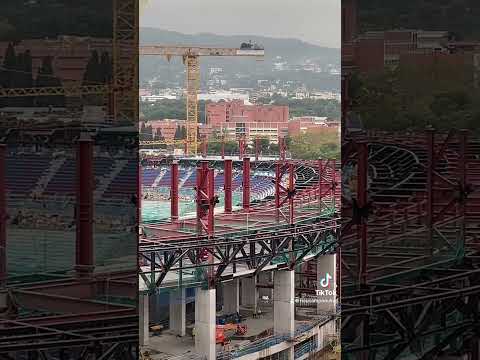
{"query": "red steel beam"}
(84, 215)
(228, 165)
(174, 192)
(246, 184)
(3, 217)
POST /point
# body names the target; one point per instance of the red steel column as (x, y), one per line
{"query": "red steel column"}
(174, 192)
(211, 198)
(345, 100)
(139, 192)
(282, 148)
(320, 176)
(84, 214)
(227, 173)
(223, 148)
(334, 177)
(246, 183)
(241, 148)
(291, 190)
(362, 181)
(463, 139)
(3, 217)
(205, 147)
(211, 225)
(202, 189)
(278, 179)
(257, 149)
(430, 165)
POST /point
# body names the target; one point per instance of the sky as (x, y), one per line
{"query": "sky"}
(313, 21)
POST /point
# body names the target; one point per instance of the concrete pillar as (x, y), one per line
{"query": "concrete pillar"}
(250, 293)
(205, 317)
(178, 312)
(284, 302)
(326, 284)
(265, 277)
(231, 298)
(144, 318)
(284, 306)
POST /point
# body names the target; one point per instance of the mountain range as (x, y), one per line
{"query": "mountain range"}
(292, 51)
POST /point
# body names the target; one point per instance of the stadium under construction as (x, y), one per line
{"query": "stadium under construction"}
(410, 265)
(249, 270)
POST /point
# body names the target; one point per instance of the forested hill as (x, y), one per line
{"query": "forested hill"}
(457, 16)
(39, 19)
(290, 49)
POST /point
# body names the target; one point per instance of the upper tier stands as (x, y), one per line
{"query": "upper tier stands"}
(23, 172)
(261, 185)
(45, 174)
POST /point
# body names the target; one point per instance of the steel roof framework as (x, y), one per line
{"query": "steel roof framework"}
(422, 289)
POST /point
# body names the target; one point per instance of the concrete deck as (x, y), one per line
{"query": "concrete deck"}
(167, 345)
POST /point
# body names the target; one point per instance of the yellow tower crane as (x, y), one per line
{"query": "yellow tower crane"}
(190, 56)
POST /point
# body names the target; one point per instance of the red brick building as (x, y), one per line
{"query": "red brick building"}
(69, 54)
(372, 51)
(236, 110)
(302, 125)
(166, 128)
(235, 119)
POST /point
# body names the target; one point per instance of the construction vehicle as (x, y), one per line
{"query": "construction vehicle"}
(240, 329)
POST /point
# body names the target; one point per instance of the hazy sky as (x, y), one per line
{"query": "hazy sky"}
(314, 21)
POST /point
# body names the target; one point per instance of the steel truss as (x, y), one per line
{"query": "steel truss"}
(245, 254)
(421, 287)
(80, 339)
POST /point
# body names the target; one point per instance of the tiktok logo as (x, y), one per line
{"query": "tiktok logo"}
(325, 282)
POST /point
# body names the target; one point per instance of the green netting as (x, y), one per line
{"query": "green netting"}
(158, 210)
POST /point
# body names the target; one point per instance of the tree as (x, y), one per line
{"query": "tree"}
(106, 68)
(93, 72)
(159, 136)
(9, 64)
(46, 78)
(264, 144)
(183, 133)
(178, 133)
(312, 146)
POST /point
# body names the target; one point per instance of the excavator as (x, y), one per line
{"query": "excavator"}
(240, 329)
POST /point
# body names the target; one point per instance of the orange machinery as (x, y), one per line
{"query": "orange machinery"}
(239, 329)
